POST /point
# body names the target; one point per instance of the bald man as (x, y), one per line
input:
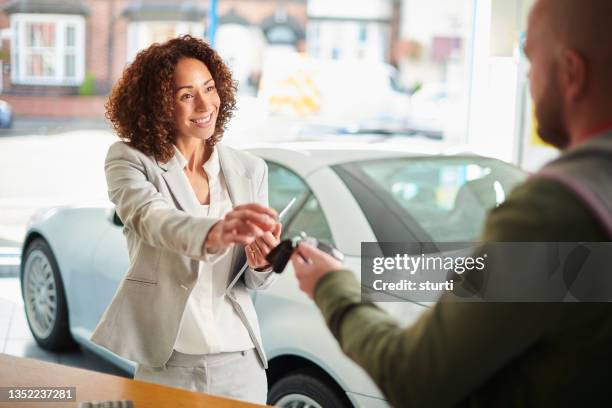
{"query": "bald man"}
(509, 354)
(569, 44)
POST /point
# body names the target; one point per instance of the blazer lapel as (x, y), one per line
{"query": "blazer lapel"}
(240, 191)
(179, 186)
(237, 180)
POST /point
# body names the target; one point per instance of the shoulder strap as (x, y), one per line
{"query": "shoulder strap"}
(591, 201)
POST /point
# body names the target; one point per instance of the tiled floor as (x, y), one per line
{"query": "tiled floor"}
(16, 339)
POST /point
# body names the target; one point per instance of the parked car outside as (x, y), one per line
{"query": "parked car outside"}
(6, 115)
(346, 193)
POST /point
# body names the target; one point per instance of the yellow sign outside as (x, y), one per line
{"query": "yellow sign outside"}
(296, 94)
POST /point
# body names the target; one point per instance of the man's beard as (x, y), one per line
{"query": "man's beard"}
(550, 114)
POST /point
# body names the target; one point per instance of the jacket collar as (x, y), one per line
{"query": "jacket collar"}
(236, 178)
(211, 167)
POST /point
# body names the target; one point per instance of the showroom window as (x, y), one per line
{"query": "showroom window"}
(47, 49)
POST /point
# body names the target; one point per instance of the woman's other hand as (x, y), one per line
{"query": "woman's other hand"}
(257, 251)
(240, 226)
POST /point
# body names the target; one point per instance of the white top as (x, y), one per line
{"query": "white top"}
(210, 323)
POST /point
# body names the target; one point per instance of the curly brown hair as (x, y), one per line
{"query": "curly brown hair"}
(141, 104)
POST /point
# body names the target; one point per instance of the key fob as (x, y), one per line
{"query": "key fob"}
(280, 255)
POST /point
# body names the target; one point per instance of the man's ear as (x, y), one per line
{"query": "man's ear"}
(573, 75)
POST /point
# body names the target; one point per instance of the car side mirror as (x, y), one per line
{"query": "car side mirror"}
(116, 220)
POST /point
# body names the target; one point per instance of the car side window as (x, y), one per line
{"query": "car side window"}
(305, 215)
(283, 186)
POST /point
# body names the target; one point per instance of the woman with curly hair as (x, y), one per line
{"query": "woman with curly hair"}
(190, 207)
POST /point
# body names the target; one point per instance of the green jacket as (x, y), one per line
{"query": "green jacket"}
(494, 354)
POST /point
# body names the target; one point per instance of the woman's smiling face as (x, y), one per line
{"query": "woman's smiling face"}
(196, 101)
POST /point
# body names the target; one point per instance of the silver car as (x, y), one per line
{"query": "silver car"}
(74, 258)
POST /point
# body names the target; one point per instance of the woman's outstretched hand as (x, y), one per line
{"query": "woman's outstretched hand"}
(240, 226)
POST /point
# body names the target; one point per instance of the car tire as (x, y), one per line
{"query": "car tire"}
(44, 299)
(304, 389)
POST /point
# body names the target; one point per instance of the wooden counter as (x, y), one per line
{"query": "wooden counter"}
(90, 385)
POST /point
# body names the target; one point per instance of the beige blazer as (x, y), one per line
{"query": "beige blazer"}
(157, 206)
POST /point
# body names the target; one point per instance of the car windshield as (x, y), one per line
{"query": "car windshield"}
(431, 199)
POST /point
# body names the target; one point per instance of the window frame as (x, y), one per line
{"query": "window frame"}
(19, 50)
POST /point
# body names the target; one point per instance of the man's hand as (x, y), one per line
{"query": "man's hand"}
(310, 265)
(240, 226)
(257, 251)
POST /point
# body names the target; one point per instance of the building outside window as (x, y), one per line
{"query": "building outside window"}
(283, 32)
(47, 49)
(158, 21)
(345, 39)
(241, 45)
(350, 29)
(141, 34)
